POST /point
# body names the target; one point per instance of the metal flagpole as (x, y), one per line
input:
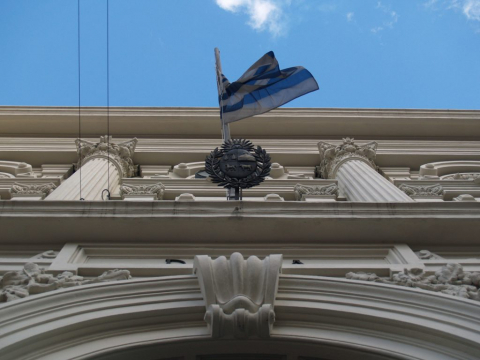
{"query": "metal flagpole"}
(221, 89)
(225, 127)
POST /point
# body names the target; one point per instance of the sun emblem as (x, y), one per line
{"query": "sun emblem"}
(237, 165)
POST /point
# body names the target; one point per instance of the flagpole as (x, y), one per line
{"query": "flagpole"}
(225, 127)
(218, 67)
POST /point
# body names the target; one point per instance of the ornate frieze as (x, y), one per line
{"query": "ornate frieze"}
(451, 279)
(417, 190)
(120, 154)
(302, 190)
(239, 294)
(41, 190)
(333, 156)
(462, 176)
(156, 190)
(33, 280)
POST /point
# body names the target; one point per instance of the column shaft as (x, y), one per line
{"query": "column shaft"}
(94, 179)
(359, 182)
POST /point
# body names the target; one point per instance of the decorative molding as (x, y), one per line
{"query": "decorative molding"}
(41, 190)
(15, 169)
(163, 313)
(462, 176)
(334, 156)
(302, 190)
(450, 279)
(417, 190)
(33, 280)
(49, 254)
(427, 255)
(239, 294)
(4, 175)
(465, 198)
(156, 190)
(441, 168)
(120, 154)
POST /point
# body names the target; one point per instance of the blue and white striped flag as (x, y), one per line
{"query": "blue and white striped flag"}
(262, 88)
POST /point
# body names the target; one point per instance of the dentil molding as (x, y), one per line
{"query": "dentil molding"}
(239, 294)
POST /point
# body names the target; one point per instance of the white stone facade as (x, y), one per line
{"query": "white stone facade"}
(362, 243)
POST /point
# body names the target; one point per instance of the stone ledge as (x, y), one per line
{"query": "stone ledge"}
(417, 224)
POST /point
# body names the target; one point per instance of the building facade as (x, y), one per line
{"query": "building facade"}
(363, 242)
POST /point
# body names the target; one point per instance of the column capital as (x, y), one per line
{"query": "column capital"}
(332, 156)
(120, 154)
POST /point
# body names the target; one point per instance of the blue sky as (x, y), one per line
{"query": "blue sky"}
(366, 54)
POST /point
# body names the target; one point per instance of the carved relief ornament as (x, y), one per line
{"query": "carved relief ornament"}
(239, 294)
(33, 280)
(302, 190)
(417, 190)
(120, 154)
(332, 157)
(156, 190)
(451, 279)
(462, 176)
(42, 190)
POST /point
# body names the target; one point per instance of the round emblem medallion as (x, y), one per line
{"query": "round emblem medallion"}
(237, 164)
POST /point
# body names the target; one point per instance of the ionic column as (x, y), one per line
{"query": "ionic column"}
(101, 166)
(354, 168)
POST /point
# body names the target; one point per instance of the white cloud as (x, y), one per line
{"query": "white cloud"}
(350, 16)
(471, 9)
(263, 14)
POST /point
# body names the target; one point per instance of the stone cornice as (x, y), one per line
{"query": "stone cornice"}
(280, 123)
(332, 157)
(209, 222)
(172, 151)
(121, 154)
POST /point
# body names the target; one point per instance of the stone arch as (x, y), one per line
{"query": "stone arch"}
(316, 317)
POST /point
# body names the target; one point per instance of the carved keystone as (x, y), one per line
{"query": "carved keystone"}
(239, 294)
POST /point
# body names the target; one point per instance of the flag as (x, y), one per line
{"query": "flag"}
(262, 88)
